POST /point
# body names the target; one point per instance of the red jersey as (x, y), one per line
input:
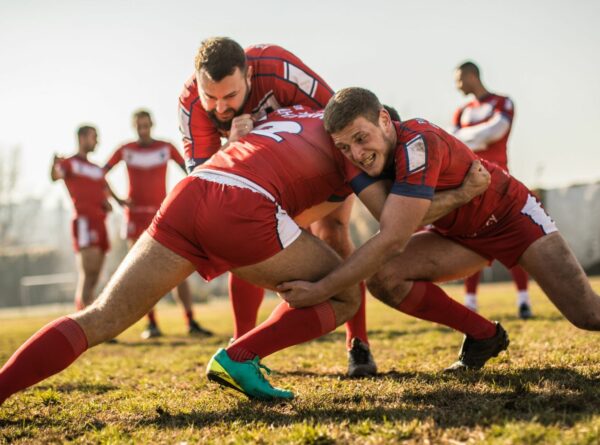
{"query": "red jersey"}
(147, 171)
(86, 185)
(484, 125)
(279, 79)
(426, 160)
(291, 156)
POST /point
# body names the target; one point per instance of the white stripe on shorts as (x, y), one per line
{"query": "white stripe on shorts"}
(533, 209)
(83, 232)
(287, 229)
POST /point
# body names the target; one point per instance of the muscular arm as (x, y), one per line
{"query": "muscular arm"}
(475, 183)
(56, 172)
(400, 217)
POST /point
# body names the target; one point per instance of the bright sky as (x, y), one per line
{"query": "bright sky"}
(66, 62)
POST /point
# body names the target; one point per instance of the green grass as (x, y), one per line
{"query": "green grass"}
(546, 389)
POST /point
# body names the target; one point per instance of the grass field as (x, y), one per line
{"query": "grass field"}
(546, 389)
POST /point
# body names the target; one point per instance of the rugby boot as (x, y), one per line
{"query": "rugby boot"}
(194, 328)
(360, 360)
(151, 331)
(245, 377)
(474, 353)
(525, 312)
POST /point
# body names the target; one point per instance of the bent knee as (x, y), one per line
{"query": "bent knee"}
(588, 322)
(387, 289)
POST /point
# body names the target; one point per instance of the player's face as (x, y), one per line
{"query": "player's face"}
(88, 141)
(225, 99)
(367, 145)
(462, 82)
(143, 127)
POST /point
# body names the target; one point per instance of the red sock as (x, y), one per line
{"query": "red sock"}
(189, 316)
(152, 317)
(472, 282)
(285, 327)
(429, 302)
(356, 327)
(520, 277)
(48, 351)
(245, 299)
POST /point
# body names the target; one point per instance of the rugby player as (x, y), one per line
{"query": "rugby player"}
(505, 223)
(484, 125)
(146, 160)
(286, 167)
(230, 89)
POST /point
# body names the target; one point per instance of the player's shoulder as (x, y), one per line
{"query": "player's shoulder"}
(296, 112)
(412, 128)
(265, 51)
(502, 102)
(189, 92)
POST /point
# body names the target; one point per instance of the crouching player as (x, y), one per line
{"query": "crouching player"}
(285, 167)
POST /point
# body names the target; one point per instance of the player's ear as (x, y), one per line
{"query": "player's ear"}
(384, 118)
(249, 72)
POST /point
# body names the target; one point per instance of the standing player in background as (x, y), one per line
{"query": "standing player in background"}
(229, 91)
(89, 191)
(484, 126)
(146, 160)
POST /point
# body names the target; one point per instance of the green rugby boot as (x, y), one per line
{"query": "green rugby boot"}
(245, 377)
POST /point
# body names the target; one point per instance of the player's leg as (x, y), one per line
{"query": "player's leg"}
(406, 284)
(89, 264)
(130, 293)
(521, 279)
(334, 229)
(552, 264)
(246, 299)
(184, 295)
(306, 258)
(471, 284)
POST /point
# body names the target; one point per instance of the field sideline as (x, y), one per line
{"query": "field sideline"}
(544, 390)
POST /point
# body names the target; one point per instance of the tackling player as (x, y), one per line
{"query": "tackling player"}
(146, 160)
(285, 167)
(505, 223)
(230, 89)
(484, 126)
(89, 192)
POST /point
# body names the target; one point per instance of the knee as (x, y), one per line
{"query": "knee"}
(388, 289)
(352, 301)
(587, 322)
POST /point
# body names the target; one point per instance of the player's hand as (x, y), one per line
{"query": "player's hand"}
(476, 182)
(240, 127)
(57, 159)
(299, 294)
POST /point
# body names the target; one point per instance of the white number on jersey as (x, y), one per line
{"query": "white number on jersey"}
(270, 129)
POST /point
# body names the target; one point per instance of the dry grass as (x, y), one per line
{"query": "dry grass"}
(544, 390)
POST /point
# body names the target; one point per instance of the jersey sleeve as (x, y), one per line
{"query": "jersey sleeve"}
(456, 120)
(418, 165)
(116, 157)
(296, 83)
(506, 108)
(200, 136)
(64, 167)
(355, 178)
(176, 156)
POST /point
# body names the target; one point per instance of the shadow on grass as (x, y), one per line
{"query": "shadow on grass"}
(450, 401)
(386, 333)
(93, 388)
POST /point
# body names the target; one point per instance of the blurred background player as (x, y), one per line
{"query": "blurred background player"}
(146, 160)
(89, 191)
(484, 125)
(229, 91)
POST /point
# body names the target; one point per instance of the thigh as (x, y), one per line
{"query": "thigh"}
(334, 228)
(133, 289)
(91, 259)
(307, 258)
(552, 264)
(429, 256)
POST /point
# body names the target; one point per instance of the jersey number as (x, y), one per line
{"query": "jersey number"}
(271, 129)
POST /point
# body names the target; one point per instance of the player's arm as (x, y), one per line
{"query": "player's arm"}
(177, 158)
(475, 183)
(400, 217)
(109, 193)
(56, 170)
(478, 137)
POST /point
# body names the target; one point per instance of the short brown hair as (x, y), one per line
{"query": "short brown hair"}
(84, 130)
(219, 57)
(141, 113)
(348, 104)
(470, 67)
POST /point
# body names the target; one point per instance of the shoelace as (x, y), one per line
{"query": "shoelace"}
(258, 366)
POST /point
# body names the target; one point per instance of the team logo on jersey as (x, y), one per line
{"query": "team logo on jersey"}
(416, 154)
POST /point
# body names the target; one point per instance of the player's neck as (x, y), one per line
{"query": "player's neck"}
(82, 153)
(145, 142)
(480, 92)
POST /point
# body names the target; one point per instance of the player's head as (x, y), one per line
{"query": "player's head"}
(467, 77)
(361, 128)
(87, 137)
(142, 122)
(223, 79)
